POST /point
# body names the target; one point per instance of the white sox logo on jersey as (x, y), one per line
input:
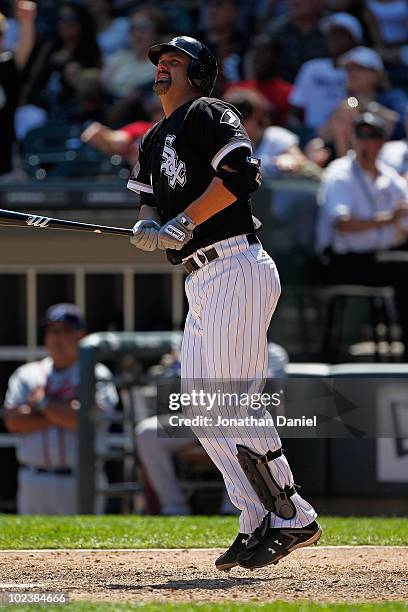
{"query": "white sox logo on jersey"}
(174, 169)
(38, 221)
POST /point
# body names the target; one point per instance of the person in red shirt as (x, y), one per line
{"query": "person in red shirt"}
(260, 68)
(125, 140)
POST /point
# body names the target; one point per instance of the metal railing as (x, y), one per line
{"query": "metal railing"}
(143, 347)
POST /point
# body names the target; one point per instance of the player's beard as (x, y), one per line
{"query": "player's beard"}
(162, 87)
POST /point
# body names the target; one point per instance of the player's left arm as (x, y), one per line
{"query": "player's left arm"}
(237, 178)
(236, 173)
(62, 414)
(214, 199)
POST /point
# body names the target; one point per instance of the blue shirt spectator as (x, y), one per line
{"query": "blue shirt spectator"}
(112, 32)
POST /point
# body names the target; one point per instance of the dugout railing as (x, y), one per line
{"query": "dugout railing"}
(141, 348)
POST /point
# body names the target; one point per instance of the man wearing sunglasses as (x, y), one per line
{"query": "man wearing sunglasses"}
(364, 212)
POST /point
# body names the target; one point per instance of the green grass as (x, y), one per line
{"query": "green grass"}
(277, 606)
(175, 532)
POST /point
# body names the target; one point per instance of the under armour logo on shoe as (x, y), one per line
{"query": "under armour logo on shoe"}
(273, 550)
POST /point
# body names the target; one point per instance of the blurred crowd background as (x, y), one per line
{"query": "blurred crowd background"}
(299, 71)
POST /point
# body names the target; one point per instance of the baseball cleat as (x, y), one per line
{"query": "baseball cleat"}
(228, 559)
(268, 545)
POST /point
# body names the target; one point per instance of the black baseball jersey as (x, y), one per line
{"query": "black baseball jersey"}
(179, 157)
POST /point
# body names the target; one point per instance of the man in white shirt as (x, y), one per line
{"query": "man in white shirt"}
(42, 406)
(276, 147)
(320, 83)
(395, 153)
(364, 210)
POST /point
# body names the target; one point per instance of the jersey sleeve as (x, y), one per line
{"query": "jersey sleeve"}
(17, 391)
(218, 131)
(139, 180)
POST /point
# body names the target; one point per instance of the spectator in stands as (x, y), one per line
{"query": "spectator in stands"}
(124, 141)
(395, 153)
(92, 97)
(226, 41)
(156, 449)
(45, 23)
(364, 210)
(12, 35)
(276, 147)
(298, 37)
(112, 32)
(357, 8)
(320, 84)
(366, 83)
(387, 22)
(11, 64)
(367, 80)
(261, 75)
(42, 406)
(131, 68)
(55, 70)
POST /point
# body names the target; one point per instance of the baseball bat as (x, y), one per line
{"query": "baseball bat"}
(10, 217)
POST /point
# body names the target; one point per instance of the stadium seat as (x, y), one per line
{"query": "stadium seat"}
(382, 310)
(56, 150)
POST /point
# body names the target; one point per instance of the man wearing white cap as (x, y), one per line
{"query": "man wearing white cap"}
(363, 56)
(320, 84)
(366, 83)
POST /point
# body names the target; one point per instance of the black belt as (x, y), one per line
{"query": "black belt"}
(190, 265)
(61, 471)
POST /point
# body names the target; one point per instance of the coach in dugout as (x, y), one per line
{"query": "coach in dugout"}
(42, 405)
(363, 212)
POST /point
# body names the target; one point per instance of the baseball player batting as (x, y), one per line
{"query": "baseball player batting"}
(195, 176)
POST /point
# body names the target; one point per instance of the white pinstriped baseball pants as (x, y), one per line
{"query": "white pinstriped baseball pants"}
(231, 302)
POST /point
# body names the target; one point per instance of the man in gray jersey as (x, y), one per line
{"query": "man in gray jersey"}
(42, 406)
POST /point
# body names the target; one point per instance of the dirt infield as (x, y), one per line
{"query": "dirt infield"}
(325, 574)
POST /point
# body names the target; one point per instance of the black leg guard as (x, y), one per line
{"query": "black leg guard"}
(271, 495)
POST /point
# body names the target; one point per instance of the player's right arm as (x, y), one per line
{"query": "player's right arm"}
(147, 227)
(24, 419)
(20, 412)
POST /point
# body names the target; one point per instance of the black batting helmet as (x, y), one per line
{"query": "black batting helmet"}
(202, 70)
